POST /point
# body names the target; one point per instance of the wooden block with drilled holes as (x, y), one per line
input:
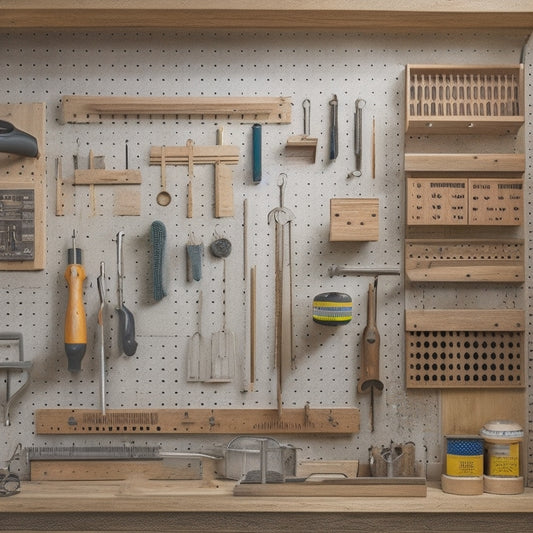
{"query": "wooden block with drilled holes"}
(494, 202)
(95, 470)
(354, 219)
(338, 420)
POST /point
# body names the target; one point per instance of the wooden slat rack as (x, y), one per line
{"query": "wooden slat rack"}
(340, 420)
(244, 109)
(467, 99)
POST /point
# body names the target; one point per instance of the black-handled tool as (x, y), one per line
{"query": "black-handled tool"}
(15, 141)
(334, 128)
(126, 333)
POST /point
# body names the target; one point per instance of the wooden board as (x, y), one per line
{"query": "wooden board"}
(27, 173)
(267, 110)
(464, 412)
(114, 470)
(368, 487)
(196, 155)
(473, 260)
(341, 420)
(506, 165)
(100, 176)
(308, 468)
(465, 320)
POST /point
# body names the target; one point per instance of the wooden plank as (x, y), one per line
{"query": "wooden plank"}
(224, 206)
(89, 109)
(503, 164)
(201, 155)
(28, 173)
(340, 420)
(100, 176)
(465, 320)
(308, 468)
(359, 487)
(50, 470)
(463, 412)
(474, 260)
(368, 15)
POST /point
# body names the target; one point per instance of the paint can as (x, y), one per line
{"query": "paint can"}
(502, 472)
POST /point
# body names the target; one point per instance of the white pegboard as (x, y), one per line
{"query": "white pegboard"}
(45, 66)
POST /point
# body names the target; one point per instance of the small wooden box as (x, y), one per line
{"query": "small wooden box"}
(354, 219)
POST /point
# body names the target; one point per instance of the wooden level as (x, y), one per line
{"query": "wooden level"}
(340, 420)
(243, 109)
(371, 15)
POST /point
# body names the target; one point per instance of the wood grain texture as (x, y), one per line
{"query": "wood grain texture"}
(253, 14)
(340, 420)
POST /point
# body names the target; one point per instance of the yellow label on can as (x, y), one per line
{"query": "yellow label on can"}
(503, 459)
(464, 465)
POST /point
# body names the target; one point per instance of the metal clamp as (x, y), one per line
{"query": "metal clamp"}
(24, 366)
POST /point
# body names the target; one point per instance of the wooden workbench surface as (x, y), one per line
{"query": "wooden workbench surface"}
(194, 504)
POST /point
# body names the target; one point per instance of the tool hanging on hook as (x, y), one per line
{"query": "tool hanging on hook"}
(100, 281)
(358, 139)
(334, 128)
(369, 373)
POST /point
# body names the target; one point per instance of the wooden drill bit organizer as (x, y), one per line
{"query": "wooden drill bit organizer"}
(466, 99)
(465, 348)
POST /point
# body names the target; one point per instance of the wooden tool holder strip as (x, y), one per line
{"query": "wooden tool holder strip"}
(473, 260)
(90, 109)
(96, 176)
(463, 348)
(468, 99)
(197, 155)
(198, 421)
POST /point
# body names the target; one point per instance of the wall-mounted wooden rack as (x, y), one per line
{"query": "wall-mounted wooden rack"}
(472, 260)
(465, 348)
(339, 420)
(468, 99)
(244, 109)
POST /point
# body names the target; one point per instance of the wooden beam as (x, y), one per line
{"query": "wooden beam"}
(254, 14)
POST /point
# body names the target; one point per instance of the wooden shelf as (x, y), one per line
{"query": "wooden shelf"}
(464, 99)
(368, 15)
(458, 260)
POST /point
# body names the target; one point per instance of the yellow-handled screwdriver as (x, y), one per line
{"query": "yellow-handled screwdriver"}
(75, 320)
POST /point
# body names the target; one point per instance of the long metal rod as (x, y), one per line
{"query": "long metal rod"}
(336, 270)
(101, 291)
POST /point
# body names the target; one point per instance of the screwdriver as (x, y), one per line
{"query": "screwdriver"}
(75, 320)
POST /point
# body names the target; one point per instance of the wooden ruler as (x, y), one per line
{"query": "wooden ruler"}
(340, 420)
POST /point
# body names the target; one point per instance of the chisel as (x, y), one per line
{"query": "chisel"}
(75, 320)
